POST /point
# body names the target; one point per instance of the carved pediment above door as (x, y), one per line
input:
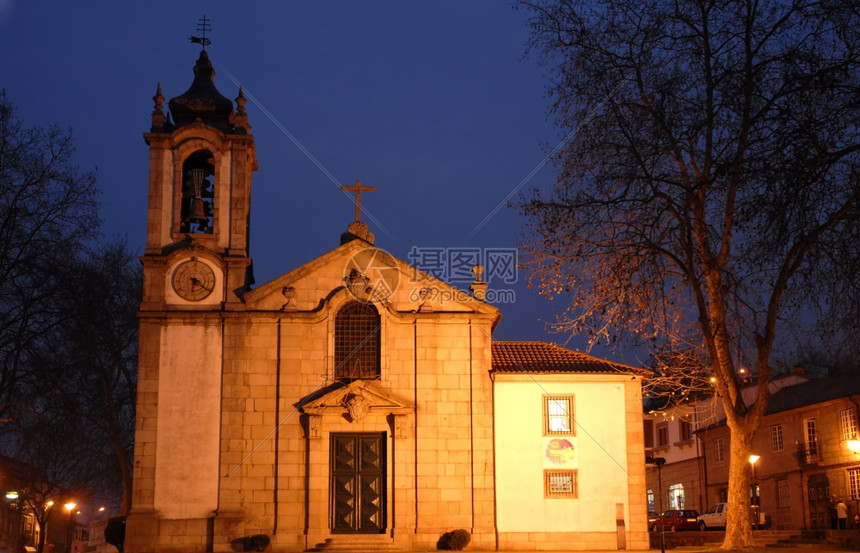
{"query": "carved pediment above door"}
(355, 402)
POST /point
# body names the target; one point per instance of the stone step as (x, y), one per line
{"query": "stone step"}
(357, 544)
(793, 545)
(806, 539)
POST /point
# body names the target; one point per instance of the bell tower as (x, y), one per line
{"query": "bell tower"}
(200, 167)
(196, 268)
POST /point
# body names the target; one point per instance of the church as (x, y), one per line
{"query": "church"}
(355, 402)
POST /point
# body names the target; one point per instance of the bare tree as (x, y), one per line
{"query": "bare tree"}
(68, 327)
(50, 446)
(707, 201)
(101, 345)
(48, 209)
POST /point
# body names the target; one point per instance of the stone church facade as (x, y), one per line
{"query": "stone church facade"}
(348, 401)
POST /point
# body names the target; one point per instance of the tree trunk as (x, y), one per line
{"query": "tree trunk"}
(738, 522)
(43, 534)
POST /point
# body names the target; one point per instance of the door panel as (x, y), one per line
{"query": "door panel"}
(819, 502)
(358, 483)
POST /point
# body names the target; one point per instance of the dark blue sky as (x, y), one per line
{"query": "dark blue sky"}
(434, 103)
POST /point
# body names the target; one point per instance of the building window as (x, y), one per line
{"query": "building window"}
(558, 415)
(559, 483)
(848, 419)
(782, 493)
(719, 451)
(649, 433)
(650, 496)
(676, 496)
(662, 434)
(356, 343)
(776, 443)
(854, 483)
(686, 429)
(811, 434)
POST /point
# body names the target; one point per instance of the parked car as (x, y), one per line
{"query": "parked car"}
(715, 517)
(676, 519)
(652, 518)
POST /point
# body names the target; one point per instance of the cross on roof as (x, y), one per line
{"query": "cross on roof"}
(358, 188)
(203, 26)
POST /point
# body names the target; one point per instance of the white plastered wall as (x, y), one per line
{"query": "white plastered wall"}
(600, 459)
(189, 399)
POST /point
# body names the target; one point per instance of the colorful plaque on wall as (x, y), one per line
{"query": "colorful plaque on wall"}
(560, 453)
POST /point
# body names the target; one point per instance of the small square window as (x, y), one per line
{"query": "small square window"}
(560, 483)
(558, 415)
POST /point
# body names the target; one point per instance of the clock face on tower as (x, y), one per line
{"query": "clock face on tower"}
(193, 280)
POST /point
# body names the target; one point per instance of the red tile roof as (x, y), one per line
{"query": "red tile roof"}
(543, 357)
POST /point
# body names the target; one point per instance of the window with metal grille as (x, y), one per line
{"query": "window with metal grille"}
(559, 483)
(558, 415)
(356, 342)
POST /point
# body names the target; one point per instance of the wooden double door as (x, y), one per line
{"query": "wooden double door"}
(357, 496)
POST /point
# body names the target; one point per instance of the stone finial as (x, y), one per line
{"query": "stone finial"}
(239, 119)
(240, 100)
(158, 119)
(478, 286)
(357, 229)
(289, 294)
(159, 99)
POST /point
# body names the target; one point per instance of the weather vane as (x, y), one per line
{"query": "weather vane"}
(203, 26)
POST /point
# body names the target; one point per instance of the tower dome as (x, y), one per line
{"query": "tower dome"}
(202, 100)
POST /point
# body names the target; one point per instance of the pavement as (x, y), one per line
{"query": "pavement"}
(806, 548)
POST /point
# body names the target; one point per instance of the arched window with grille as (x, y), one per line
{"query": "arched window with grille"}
(356, 342)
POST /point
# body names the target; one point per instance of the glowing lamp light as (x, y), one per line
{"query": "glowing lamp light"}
(12, 495)
(69, 506)
(754, 458)
(854, 444)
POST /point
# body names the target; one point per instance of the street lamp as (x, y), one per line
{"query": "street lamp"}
(70, 506)
(854, 444)
(659, 462)
(753, 459)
